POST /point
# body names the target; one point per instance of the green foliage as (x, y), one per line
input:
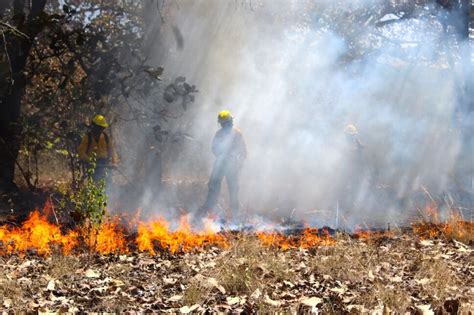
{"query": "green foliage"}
(86, 201)
(87, 57)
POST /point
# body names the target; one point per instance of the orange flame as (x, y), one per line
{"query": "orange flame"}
(36, 233)
(109, 239)
(308, 239)
(455, 227)
(183, 239)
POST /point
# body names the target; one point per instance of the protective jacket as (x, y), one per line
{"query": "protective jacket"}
(102, 147)
(229, 148)
(228, 143)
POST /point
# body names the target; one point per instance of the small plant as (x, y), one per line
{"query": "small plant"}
(85, 201)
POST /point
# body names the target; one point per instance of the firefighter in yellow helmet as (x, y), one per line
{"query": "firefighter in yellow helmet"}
(354, 170)
(352, 137)
(97, 142)
(229, 148)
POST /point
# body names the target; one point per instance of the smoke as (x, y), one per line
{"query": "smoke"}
(293, 81)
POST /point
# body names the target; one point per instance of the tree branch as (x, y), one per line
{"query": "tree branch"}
(13, 29)
(9, 61)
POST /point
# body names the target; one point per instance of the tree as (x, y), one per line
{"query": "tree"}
(62, 61)
(66, 62)
(17, 50)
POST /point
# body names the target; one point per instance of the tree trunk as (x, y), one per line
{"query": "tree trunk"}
(9, 135)
(18, 50)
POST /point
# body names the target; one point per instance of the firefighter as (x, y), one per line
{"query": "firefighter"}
(228, 147)
(97, 142)
(352, 137)
(353, 173)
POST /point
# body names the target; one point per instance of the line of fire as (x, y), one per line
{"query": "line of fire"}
(237, 156)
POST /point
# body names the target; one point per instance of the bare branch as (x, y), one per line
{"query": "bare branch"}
(13, 29)
(8, 59)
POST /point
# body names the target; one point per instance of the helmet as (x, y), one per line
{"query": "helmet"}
(224, 116)
(99, 120)
(350, 130)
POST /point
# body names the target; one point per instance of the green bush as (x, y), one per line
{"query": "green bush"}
(86, 200)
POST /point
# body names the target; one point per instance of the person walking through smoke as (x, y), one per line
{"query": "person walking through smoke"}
(354, 174)
(97, 142)
(229, 148)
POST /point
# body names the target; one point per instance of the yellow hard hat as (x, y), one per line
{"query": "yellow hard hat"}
(350, 129)
(99, 120)
(224, 116)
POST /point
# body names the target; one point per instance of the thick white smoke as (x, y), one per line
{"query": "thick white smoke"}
(286, 77)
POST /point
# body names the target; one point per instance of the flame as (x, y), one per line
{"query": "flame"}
(183, 239)
(36, 233)
(455, 227)
(40, 236)
(109, 239)
(308, 239)
(370, 235)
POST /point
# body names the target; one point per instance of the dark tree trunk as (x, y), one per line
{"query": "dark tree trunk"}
(18, 50)
(9, 134)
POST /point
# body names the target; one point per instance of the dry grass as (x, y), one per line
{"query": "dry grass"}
(245, 268)
(437, 278)
(10, 293)
(249, 266)
(376, 269)
(355, 262)
(391, 274)
(196, 293)
(120, 272)
(347, 261)
(60, 266)
(381, 273)
(117, 305)
(394, 298)
(455, 227)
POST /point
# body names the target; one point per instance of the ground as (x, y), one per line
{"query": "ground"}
(400, 273)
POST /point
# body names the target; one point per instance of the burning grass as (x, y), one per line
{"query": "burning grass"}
(37, 234)
(309, 238)
(184, 239)
(454, 228)
(47, 267)
(400, 274)
(44, 238)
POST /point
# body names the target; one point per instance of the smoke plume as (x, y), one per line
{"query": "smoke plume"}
(294, 74)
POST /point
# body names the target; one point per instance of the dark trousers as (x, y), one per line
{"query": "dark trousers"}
(230, 171)
(101, 170)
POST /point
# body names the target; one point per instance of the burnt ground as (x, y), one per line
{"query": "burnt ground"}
(378, 274)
